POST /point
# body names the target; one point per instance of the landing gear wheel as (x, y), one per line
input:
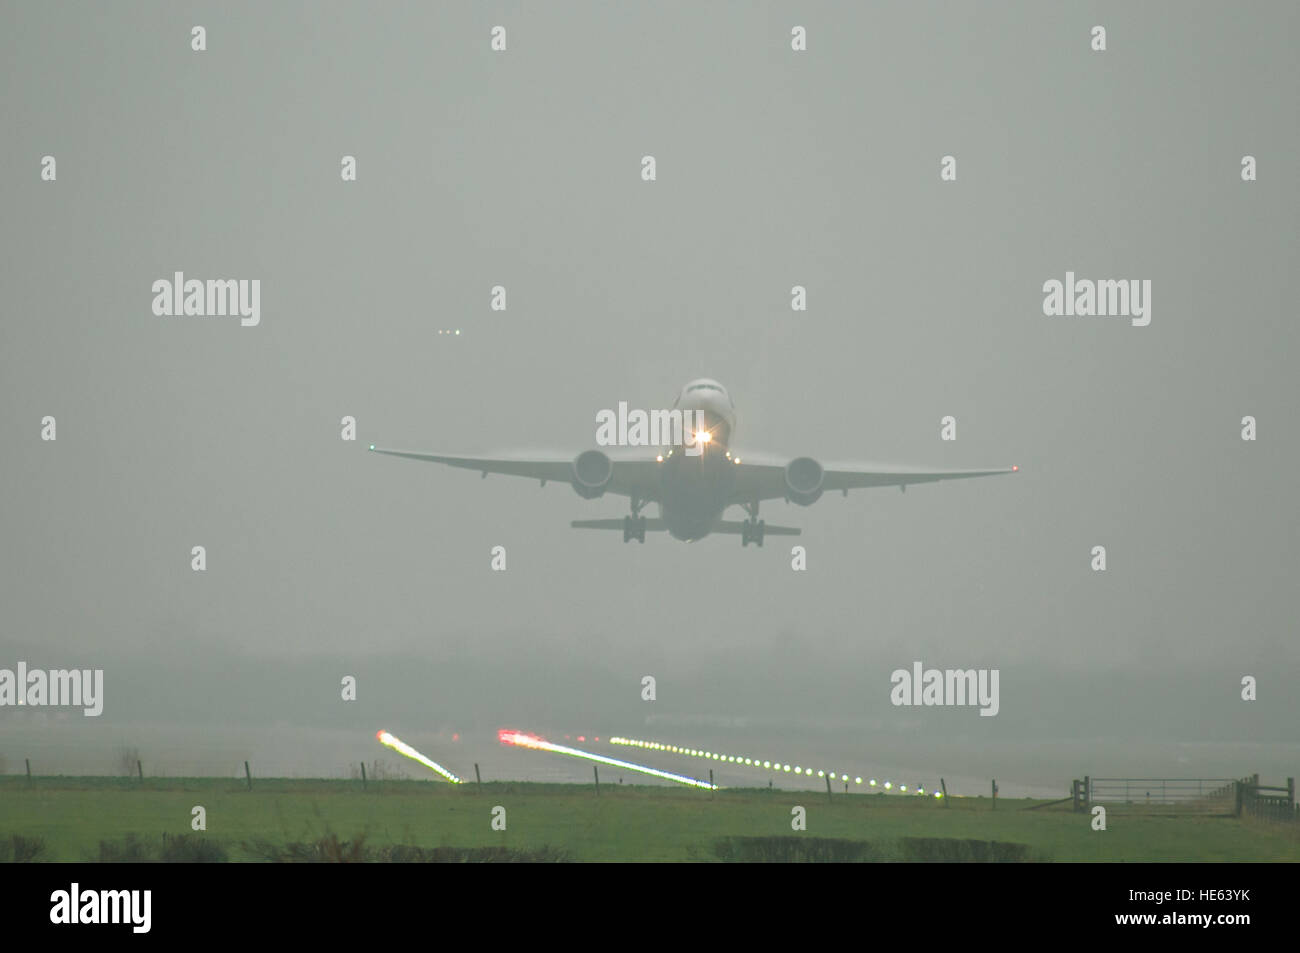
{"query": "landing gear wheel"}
(634, 528)
(752, 531)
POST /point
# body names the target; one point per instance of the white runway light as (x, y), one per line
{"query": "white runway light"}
(740, 759)
(402, 748)
(523, 739)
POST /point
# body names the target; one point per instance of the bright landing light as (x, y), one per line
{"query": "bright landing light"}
(402, 748)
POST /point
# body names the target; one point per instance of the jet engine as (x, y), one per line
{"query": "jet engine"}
(591, 474)
(803, 481)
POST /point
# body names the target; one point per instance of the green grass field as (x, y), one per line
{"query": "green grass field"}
(626, 823)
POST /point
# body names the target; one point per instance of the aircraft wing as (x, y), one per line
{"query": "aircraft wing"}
(633, 476)
(757, 481)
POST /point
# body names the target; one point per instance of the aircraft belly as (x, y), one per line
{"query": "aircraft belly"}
(695, 494)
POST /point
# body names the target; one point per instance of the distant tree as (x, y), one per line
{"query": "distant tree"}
(127, 758)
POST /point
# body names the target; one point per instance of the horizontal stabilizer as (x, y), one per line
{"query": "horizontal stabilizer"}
(736, 527)
(651, 526)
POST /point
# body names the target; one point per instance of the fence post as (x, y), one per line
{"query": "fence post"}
(945, 792)
(478, 779)
(1239, 797)
(828, 788)
(363, 775)
(995, 794)
(139, 770)
(248, 774)
(596, 771)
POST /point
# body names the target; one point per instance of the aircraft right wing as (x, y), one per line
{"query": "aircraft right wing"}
(757, 481)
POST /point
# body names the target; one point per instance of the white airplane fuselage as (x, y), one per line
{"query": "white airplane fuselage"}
(696, 488)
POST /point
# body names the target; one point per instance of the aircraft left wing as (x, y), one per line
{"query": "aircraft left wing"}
(634, 477)
(759, 481)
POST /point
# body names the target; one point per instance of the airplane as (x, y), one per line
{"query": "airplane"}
(694, 489)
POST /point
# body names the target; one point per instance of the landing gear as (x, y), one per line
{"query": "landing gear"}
(634, 528)
(751, 531)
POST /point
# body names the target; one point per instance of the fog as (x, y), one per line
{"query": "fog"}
(522, 169)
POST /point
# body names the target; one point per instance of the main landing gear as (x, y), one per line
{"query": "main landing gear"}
(634, 528)
(751, 531)
(634, 525)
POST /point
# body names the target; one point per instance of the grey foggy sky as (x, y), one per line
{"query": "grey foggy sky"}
(774, 169)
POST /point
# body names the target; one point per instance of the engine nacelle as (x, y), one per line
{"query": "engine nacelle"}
(591, 474)
(803, 481)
